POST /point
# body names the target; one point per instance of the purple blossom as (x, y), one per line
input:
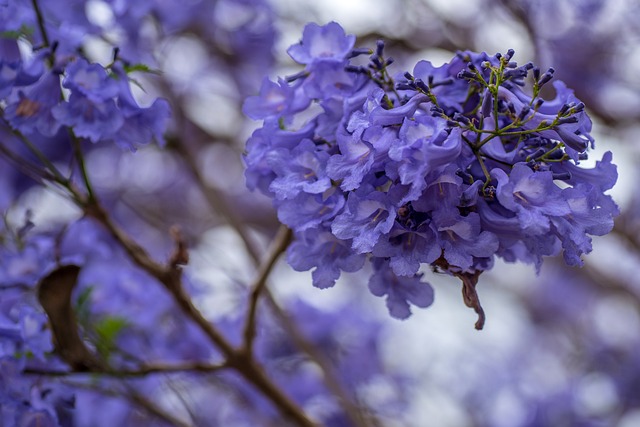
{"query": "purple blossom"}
(322, 43)
(401, 291)
(94, 121)
(34, 108)
(141, 125)
(326, 254)
(301, 170)
(367, 216)
(275, 99)
(532, 195)
(310, 210)
(452, 166)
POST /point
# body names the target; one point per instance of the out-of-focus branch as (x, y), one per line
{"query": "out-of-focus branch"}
(171, 278)
(278, 246)
(218, 204)
(137, 372)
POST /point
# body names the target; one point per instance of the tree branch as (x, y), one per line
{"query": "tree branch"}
(278, 246)
(171, 279)
(137, 372)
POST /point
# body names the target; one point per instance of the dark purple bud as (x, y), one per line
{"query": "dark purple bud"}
(523, 113)
(539, 103)
(405, 86)
(388, 62)
(422, 86)
(466, 74)
(356, 69)
(461, 118)
(546, 77)
(358, 52)
(379, 47)
(511, 107)
(536, 73)
(487, 103)
(437, 110)
(570, 119)
(539, 152)
(515, 73)
(563, 110)
(509, 55)
(408, 76)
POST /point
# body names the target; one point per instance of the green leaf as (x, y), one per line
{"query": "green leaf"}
(107, 331)
(140, 67)
(24, 30)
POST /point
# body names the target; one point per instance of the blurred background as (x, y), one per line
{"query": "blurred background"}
(558, 349)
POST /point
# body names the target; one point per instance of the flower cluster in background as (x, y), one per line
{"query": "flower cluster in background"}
(447, 166)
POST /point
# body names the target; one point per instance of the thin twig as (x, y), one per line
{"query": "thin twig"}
(137, 372)
(40, 18)
(77, 152)
(278, 246)
(353, 412)
(171, 279)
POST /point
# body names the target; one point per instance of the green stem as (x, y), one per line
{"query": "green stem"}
(77, 151)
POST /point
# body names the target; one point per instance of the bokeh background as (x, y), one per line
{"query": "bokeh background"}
(558, 349)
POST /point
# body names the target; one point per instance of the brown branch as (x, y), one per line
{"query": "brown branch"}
(171, 279)
(137, 372)
(329, 376)
(278, 246)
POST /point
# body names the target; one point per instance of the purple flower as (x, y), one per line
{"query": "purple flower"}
(532, 195)
(91, 81)
(408, 248)
(94, 121)
(326, 254)
(368, 215)
(318, 44)
(452, 166)
(141, 125)
(275, 99)
(400, 291)
(463, 241)
(310, 210)
(360, 152)
(301, 170)
(34, 109)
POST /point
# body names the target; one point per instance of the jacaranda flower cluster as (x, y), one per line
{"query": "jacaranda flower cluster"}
(448, 166)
